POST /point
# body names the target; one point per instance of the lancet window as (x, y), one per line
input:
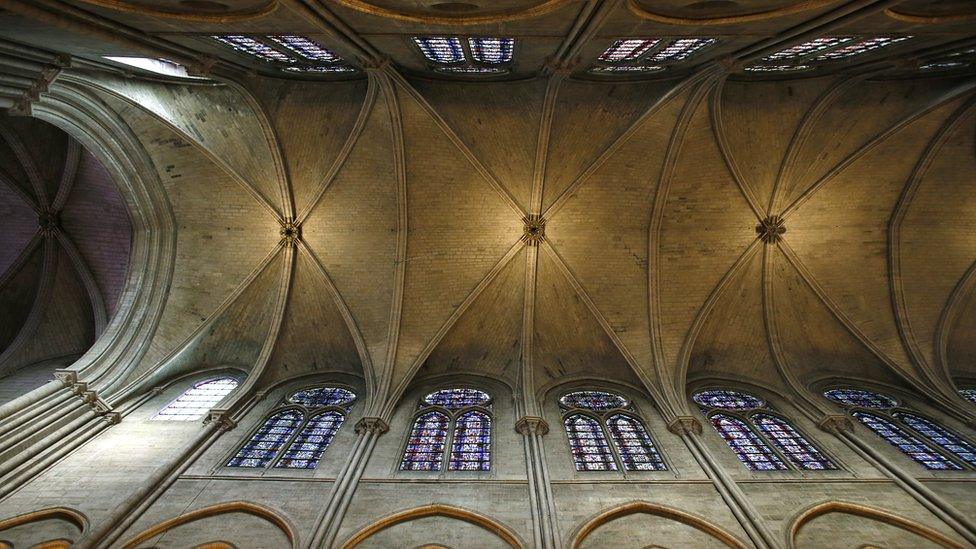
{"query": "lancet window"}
(452, 429)
(762, 439)
(927, 442)
(298, 431)
(605, 433)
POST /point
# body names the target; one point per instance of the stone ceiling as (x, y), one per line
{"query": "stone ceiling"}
(548, 226)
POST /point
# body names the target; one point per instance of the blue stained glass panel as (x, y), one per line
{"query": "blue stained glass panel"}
(471, 447)
(304, 452)
(492, 50)
(862, 46)
(196, 401)
(907, 443)
(748, 447)
(588, 444)
(941, 436)
(322, 396)
(425, 447)
(680, 49)
(636, 449)
(729, 400)
(597, 401)
(859, 397)
(440, 49)
(268, 440)
(791, 443)
(309, 49)
(455, 399)
(969, 394)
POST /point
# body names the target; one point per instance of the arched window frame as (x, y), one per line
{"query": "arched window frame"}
(452, 416)
(890, 414)
(309, 413)
(601, 418)
(747, 415)
(158, 415)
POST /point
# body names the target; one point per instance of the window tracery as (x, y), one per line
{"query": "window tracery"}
(195, 402)
(923, 440)
(650, 54)
(820, 51)
(968, 394)
(287, 52)
(471, 55)
(298, 431)
(468, 411)
(589, 416)
(761, 439)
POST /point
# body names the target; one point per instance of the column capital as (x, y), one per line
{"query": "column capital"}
(222, 418)
(67, 377)
(373, 424)
(685, 425)
(534, 425)
(113, 418)
(836, 423)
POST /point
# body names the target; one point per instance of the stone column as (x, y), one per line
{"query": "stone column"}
(327, 523)
(841, 426)
(542, 503)
(690, 430)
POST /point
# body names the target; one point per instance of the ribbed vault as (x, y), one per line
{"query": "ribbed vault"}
(411, 196)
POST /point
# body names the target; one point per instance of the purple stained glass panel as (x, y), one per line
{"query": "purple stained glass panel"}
(861, 398)
(264, 445)
(455, 399)
(748, 447)
(471, 447)
(425, 448)
(729, 400)
(628, 49)
(636, 449)
(588, 444)
(492, 50)
(305, 451)
(597, 401)
(322, 396)
(791, 443)
(940, 435)
(910, 445)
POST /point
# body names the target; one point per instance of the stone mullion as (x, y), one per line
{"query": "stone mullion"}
(690, 430)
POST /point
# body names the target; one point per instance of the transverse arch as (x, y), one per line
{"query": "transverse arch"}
(435, 510)
(647, 508)
(869, 513)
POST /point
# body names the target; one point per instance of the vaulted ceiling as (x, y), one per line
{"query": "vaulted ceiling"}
(696, 224)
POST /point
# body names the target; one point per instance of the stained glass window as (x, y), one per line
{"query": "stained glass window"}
(265, 444)
(455, 399)
(588, 444)
(597, 401)
(680, 49)
(861, 398)
(322, 396)
(253, 47)
(440, 49)
(969, 394)
(471, 447)
(791, 443)
(425, 447)
(806, 48)
(940, 435)
(196, 401)
(748, 447)
(637, 452)
(304, 452)
(729, 400)
(628, 68)
(306, 48)
(863, 45)
(492, 50)
(628, 49)
(907, 443)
